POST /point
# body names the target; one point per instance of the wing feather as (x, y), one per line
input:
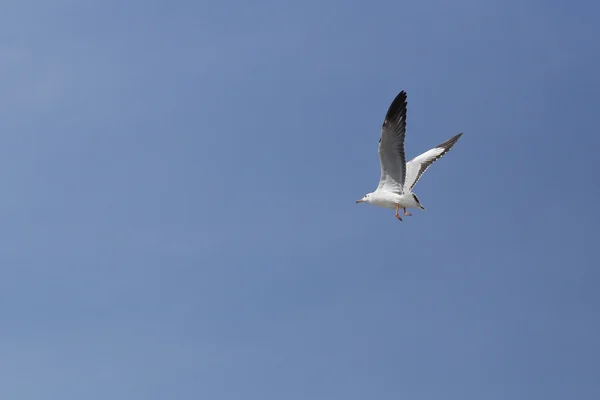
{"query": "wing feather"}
(391, 146)
(418, 165)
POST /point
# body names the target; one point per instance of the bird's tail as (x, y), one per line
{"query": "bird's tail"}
(418, 202)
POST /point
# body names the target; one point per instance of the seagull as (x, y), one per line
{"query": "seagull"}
(399, 177)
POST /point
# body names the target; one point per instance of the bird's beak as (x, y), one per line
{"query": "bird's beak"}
(359, 201)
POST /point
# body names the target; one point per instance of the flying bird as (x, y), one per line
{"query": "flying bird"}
(399, 177)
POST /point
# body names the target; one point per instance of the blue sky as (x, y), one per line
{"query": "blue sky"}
(178, 208)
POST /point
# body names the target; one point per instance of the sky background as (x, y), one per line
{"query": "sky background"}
(178, 183)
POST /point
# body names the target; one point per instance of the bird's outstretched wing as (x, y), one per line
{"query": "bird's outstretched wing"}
(391, 146)
(418, 165)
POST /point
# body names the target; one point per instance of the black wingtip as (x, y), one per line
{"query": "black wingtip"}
(397, 109)
(450, 142)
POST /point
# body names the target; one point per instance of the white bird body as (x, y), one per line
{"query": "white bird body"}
(385, 199)
(399, 177)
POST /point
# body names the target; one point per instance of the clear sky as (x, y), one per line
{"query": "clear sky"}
(178, 183)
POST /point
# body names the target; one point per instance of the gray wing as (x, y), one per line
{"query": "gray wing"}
(391, 146)
(418, 165)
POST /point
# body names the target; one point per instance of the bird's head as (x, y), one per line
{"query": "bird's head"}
(365, 199)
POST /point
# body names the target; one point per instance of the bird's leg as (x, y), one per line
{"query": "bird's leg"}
(407, 214)
(398, 215)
